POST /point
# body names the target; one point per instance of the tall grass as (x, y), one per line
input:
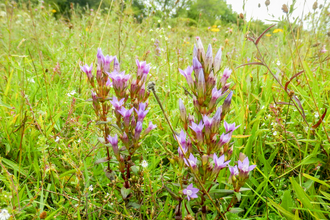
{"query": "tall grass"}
(49, 138)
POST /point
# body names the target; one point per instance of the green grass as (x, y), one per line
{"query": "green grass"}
(39, 172)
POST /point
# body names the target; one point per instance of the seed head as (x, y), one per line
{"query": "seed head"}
(267, 2)
(315, 5)
(285, 8)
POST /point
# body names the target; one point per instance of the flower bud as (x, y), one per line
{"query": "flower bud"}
(225, 76)
(217, 120)
(116, 64)
(138, 130)
(201, 84)
(217, 61)
(183, 112)
(226, 104)
(208, 59)
(200, 49)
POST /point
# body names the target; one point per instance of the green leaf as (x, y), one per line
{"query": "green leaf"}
(304, 199)
(286, 213)
(125, 192)
(102, 160)
(287, 202)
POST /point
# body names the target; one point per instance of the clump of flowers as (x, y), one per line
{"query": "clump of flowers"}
(128, 103)
(205, 148)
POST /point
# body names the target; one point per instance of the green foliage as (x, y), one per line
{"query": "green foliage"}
(49, 141)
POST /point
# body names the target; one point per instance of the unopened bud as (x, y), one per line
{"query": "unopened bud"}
(200, 49)
(208, 59)
(217, 61)
(285, 8)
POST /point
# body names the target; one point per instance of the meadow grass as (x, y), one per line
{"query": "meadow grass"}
(49, 140)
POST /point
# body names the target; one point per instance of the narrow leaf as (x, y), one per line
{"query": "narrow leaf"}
(102, 160)
(294, 76)
(320, 120)
(257, 41)
(286, 213)
(248, 64)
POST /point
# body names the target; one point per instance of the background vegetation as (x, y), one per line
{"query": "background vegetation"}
(48, 139)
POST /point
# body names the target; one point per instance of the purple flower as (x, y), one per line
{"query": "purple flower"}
(187, 74)
(142, 91)
(244, 166)
(208, 124)
(119, 80)
(126, 113)
(117, 104)
(224, 139)
(233, 171)
(94, 96)
(138, 130)
(208, 59)
(185, 149)
(183, 111)
(198, 129)
(100, 57)
(124, 138)
(200, 49)
(140, 67)
(248, 59)
(219, 163)
(149, 128)
(226, 104)
(114, 142)
(116, 64)
(191, 192)
(88, 70)
(215, 95)
(107, 61)
(225, 76)
(192, 160)
(217, 61)
(217, 119)
(142, 112)
(197, 66)
(201, 84)
(230, 127)
(182, 138)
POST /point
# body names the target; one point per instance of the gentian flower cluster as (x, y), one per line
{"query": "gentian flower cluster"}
(128, 104)
(206, 149)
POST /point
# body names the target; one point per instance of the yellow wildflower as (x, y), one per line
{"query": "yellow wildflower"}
(277, 30)
(214, 26)
(187, 42)
(268, 35)
(215, 29)
(54, 11)
(86, 29)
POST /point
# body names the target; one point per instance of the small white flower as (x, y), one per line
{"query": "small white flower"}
(316, 115)
(278, 63)
(275, 133)
(57, 139)
(107, 195)
(90, 188)
(78, 140)
(71, 93)
(144, 164)
(169, 26)
(4, 215)
(151, 30)
(159, 21)
(31, 80)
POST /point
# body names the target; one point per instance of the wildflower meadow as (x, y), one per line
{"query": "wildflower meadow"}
(110, 113)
